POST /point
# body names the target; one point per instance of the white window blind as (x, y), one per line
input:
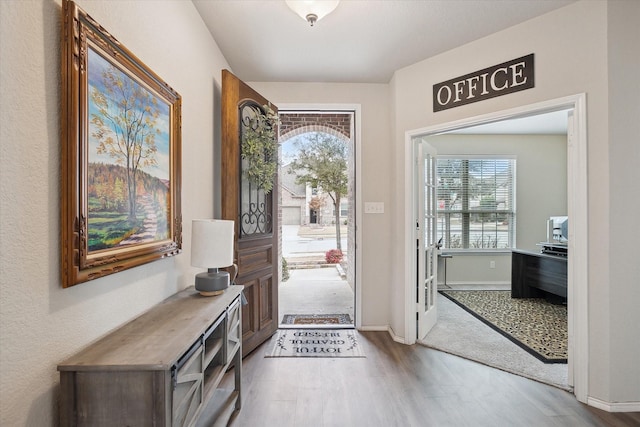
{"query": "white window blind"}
(476, 202)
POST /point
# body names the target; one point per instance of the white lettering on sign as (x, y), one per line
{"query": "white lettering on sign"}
(494, 81)
(471, 84)
(444, 101)
(517, 72)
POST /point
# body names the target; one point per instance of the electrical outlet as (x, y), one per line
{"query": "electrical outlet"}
(492, 264)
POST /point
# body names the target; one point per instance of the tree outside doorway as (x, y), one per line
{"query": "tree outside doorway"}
(321, 162)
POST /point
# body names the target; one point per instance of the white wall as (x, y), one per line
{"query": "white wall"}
(375, 141)
(41, 323)
(541, 191)
(571, 57)
(624, 200)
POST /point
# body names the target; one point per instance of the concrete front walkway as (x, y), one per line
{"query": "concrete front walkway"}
(315, 291)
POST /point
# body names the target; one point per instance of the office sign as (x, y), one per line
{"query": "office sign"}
(501, 79)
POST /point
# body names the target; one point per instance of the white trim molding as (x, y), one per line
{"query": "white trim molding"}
(398, 338)
(615, 406)
(374, 328)
(385, 328)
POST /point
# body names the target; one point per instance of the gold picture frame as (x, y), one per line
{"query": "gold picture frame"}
(121, 156)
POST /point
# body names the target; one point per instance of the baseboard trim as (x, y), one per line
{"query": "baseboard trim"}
(374, 328)
(387, 329)
(614, 407)
(396, 337)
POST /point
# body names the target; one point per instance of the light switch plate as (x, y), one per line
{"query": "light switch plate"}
(374, 207)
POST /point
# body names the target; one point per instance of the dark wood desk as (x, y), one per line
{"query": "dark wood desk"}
(536, 275)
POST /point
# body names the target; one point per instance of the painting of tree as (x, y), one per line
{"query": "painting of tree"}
(125, 126)
(120, 155)
(128, 124)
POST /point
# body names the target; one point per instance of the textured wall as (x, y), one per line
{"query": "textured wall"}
(572, 57)
(624, 150)
(41, 323)
(569, 59)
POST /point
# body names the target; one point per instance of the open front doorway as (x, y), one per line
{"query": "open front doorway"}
(317, 193)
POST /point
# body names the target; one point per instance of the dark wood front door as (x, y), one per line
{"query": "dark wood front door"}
(255, 212)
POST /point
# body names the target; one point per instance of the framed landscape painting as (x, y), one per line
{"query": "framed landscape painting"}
(121, 156)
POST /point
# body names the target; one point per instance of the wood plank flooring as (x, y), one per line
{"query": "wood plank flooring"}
(399, 385)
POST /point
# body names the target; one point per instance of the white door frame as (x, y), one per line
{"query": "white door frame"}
(577, 191)
(357, 118)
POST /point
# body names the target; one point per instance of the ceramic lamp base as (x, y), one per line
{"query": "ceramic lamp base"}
(213, 282)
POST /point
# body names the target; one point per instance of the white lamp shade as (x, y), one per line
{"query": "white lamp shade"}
(320, 8)
(212, 243)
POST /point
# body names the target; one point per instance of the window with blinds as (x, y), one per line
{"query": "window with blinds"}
(476, 202)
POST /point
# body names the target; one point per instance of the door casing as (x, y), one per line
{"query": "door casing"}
(356, 109)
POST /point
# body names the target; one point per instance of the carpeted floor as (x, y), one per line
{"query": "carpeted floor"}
(460, 333)
(532, 323)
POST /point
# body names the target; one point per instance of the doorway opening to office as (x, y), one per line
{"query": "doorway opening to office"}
(317, 193)
(574, 187)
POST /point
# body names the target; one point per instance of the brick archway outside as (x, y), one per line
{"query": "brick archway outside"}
(294, 124)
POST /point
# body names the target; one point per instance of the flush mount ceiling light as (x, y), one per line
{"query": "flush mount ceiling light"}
(312, 10)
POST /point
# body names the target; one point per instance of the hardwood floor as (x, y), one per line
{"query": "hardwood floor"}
(399, 385)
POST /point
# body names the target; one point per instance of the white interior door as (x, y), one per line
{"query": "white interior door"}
(427, 252)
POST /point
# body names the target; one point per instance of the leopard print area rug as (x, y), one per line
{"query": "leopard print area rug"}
(537, 326)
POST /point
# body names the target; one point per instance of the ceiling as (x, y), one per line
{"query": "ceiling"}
(362, 41)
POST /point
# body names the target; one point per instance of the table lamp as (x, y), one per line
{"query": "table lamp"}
(212, 248)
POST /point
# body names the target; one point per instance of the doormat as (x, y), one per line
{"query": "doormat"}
(315, 343)
(539, 327)
(316, 319)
